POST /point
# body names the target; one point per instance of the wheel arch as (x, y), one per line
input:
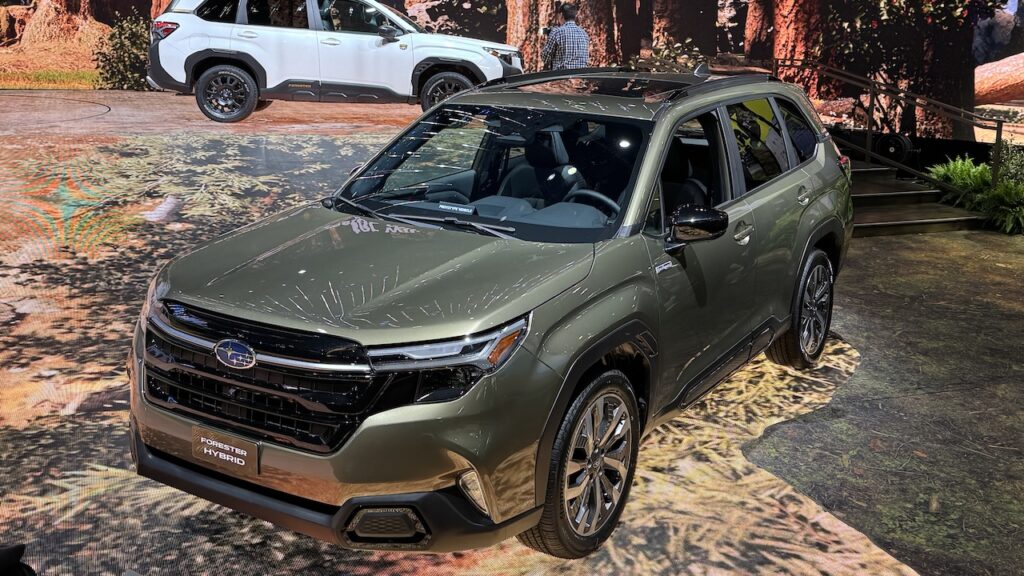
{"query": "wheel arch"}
(630, 348)
(436, 64)
(203, 60)
(828, 236)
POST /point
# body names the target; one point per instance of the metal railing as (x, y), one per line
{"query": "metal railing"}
(876, 90)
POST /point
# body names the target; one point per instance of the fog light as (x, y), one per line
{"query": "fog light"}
(469, 483)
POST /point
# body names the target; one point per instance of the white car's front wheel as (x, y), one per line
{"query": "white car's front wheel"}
(442, 86)
(226, 93)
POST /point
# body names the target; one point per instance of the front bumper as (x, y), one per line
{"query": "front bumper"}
(409, 456)
(448, 522)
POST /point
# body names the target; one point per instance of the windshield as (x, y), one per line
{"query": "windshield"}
(412, 23)
(539, 175)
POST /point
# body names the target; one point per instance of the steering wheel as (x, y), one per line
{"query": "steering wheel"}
(594, 195)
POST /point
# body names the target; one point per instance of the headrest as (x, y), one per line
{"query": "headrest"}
(547, 151)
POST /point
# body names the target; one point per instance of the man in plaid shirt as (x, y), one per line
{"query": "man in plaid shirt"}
(568, 45)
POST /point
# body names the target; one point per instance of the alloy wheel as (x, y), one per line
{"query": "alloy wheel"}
(444, 90)
(226, 94)
(597, 464)
(815, 309)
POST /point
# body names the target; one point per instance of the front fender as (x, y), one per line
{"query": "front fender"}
(612, 307)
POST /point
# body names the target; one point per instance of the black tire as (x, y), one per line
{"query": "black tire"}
(226, 93)
(263, 104)
(442, 86)
(555, 534)
(792, 348)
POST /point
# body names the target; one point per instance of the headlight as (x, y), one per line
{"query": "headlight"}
(446, 370)
(486, 352)
(156, 291)
(509, 56)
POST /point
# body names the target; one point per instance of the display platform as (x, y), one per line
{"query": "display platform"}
(900, 453)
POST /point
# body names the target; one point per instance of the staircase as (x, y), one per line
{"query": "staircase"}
(892, 195)
(886, 203)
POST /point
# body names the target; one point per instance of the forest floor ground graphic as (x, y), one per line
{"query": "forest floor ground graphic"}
(901, 452)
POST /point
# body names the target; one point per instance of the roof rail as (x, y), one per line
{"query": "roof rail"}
(716, 83)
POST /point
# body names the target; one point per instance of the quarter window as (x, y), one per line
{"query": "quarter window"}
(218, 11)
(278, 13)
(803, 137)
(762, 147)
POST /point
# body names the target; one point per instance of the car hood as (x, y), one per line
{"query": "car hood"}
(372, 281)
(461, 42)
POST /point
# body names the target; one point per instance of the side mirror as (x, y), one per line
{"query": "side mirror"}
(691, 223)
(388, 33)
(355, 169)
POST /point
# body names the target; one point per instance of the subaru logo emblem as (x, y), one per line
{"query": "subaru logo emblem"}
(235, 354)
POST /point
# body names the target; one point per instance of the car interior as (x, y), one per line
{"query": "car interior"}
(693, 172)
(553, 170)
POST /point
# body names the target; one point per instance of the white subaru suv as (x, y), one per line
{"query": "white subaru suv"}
(238, 55)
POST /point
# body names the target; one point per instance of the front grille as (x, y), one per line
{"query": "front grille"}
(308, 409)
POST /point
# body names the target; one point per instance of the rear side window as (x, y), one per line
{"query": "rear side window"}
(278, 13)
(801, 134)
(218, 11)
(762, 146)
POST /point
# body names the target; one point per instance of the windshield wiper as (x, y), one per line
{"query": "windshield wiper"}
(499, 231)
(331, 202)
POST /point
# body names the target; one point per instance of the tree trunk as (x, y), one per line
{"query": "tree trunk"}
(597, 17)
(57, 20)
(757, 37)
(677, 20)
(949, 73)
(627, 29)
(798, 25)
(1000, 82)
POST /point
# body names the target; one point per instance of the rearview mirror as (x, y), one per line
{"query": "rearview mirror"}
(692, 223)
(388, 33)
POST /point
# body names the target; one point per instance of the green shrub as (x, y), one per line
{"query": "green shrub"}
(968, 178)
(1004, 206)
(121, 57)
(1011, 162)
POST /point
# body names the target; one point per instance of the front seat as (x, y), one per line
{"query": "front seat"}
(679, 183)
(546, 176)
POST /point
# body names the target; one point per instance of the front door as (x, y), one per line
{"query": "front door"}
(356, 63)
(707, 289)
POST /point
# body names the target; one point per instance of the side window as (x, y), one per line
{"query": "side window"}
(351, 16)
(762, 147)
(695, 171)
(801, 134)
(218, 11)
(278, 13)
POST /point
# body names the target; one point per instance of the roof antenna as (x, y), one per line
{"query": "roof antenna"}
(702, 70)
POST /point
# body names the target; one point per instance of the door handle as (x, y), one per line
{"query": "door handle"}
(803, 196)
(743, 232)
(330, 41)
(248, 34)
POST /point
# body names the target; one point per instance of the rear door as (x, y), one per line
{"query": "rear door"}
(777, 189)
(356, 63)
(278, 35)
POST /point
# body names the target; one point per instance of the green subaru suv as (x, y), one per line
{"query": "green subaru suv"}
(468, 341)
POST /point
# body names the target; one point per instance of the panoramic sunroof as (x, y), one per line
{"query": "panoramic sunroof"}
(651, 90)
